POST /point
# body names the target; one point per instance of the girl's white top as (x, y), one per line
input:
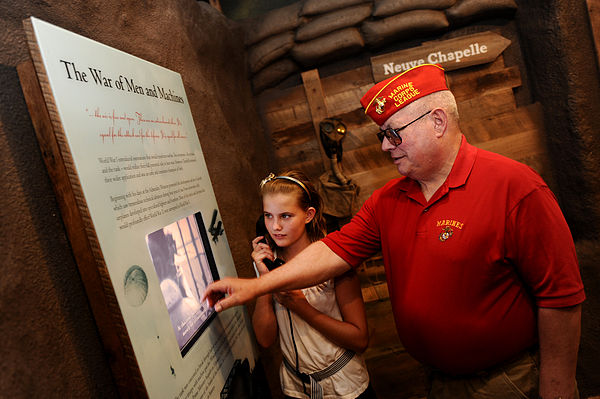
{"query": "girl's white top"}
(316, 352)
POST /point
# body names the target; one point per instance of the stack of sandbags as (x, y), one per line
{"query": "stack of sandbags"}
(330, 30)
(465, 11)
(404, 19)
(269, 38)
(309, 33)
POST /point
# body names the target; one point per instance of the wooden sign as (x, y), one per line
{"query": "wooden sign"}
(120, 145)
(460, 52)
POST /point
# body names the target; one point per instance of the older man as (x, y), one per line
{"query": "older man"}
(481, 266)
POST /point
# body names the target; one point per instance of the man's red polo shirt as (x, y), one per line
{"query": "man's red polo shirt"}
(467, 270)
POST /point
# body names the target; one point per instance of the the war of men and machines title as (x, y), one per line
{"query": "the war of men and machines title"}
(120, 83)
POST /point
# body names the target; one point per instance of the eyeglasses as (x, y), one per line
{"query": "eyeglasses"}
(393, 135)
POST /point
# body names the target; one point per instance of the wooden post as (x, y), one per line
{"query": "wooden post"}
(594, 12)
(317, 107)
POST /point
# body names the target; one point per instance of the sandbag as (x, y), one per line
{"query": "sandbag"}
(314, 7)
(332, 21)
(405, 25)
(465, 11)
(273, 74)
(272, 23)
(385, 8)
(269, 50)
(325, 48)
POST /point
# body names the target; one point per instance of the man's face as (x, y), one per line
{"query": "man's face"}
(413, 156)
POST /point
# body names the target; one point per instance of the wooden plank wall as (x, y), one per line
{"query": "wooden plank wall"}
(490, 119)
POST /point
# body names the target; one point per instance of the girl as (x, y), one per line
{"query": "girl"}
(322, 328)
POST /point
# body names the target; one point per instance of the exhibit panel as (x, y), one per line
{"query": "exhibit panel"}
(125, 137)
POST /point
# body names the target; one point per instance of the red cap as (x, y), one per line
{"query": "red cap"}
(391, 95)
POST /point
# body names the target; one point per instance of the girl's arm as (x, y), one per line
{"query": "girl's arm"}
(350, 333)
(264, 321)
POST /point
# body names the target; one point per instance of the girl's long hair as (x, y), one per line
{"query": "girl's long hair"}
(317, 227)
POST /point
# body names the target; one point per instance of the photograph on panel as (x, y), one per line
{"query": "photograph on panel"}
(185, 266)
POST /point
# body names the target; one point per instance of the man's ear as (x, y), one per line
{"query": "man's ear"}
(310, 214)
(440, 121)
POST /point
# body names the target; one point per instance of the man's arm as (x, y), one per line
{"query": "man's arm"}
(315, 264)
(559, 331)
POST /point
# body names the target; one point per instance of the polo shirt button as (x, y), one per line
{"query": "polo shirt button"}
(426, 209)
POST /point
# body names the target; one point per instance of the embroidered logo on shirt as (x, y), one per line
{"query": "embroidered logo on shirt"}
(446, 233)
(447, 226)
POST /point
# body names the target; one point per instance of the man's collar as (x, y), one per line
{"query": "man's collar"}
(462, 165)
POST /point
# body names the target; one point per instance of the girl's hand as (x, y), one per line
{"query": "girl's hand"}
(260, 252)
(291, 299)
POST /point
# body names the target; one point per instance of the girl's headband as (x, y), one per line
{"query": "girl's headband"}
(273, 177)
